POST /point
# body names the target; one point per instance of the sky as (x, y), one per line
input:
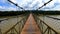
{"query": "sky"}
(29, 5)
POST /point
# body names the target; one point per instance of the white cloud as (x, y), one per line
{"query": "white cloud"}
(31, 3)
(55, 8)
(8, 8)
(24, 2)
(12, 8)
(1, 7)
(14, 1)
(52, 6)
(3, 1)
(58, 1)
(44, 1)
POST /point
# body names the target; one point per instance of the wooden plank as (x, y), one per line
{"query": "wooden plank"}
(31, 27)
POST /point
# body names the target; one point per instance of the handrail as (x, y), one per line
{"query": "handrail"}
(53, 18)
(20, 22)
(41, 25)
(8, 18)
(12, 27)
(4, 19)
(0, 23)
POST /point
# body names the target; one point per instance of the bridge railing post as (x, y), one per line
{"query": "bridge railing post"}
(0, 28)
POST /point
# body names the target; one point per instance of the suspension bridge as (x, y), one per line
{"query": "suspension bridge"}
(30, 23)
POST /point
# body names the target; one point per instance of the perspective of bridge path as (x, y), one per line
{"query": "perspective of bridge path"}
(30, 26)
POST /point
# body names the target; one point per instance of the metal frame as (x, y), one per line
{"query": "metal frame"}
(41, 23)
(20, 24)
(0, 23)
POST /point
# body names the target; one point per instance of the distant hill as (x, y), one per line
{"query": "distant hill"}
(47, 12)
(11, 13)
(14, 13)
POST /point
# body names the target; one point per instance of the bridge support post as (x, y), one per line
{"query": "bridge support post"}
(0, 31)
(0, 28)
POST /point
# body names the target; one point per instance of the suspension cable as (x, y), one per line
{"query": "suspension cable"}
(15, 4)
(36, 9)
(44, 4)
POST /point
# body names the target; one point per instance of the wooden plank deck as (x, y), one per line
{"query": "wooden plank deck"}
(31, 26)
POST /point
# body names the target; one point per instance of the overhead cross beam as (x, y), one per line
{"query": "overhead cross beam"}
(44, 4)
(15, 4)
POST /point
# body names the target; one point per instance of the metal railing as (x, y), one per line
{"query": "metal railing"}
(20, 27)
(44, 28)
(0, 23)
(17, 28)
(53, 17)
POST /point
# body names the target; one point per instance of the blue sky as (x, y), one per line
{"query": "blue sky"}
(29, 5)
